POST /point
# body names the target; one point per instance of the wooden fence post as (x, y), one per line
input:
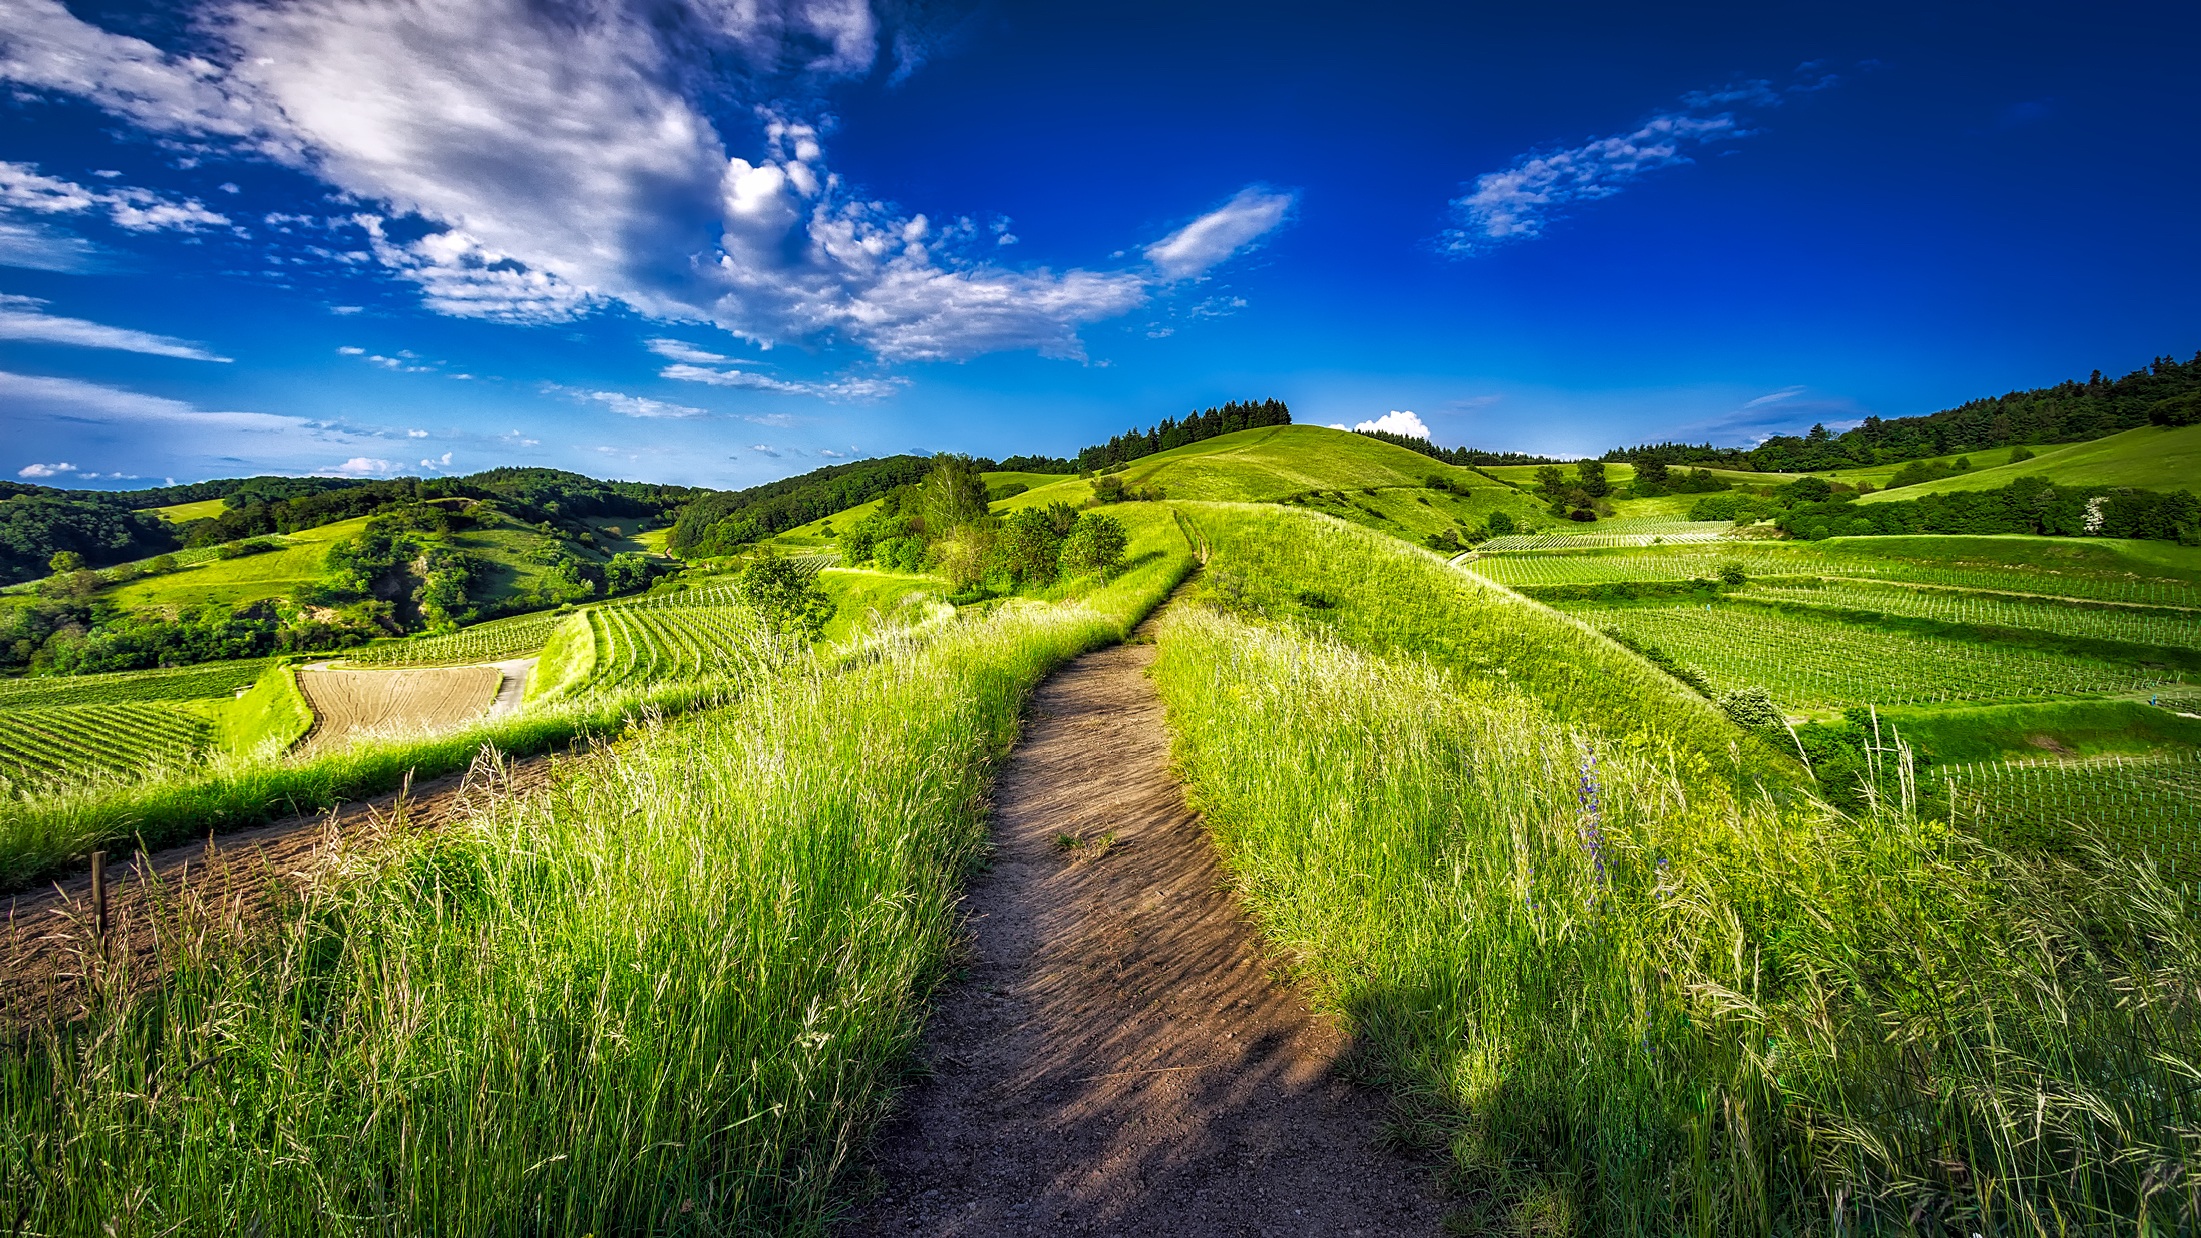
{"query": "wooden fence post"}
(99, 895)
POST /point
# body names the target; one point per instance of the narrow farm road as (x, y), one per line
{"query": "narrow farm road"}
(1119, 1059)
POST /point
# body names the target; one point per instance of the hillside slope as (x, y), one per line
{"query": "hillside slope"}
(2150, 458)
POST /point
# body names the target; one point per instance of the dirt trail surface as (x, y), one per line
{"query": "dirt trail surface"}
(1119, 1059)
(46, 934)
(348, 704)
(511, 693)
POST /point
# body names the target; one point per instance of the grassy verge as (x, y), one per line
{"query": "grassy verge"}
(668, 995)
(270, 716)
(1622, 991)
(567, 658)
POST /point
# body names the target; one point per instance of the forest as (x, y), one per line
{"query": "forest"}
(1135, 444)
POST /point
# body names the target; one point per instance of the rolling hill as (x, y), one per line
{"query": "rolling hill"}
(2148, 458)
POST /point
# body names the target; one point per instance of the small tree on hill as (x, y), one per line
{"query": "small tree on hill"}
(952, 496)
(787, 598)
(1096, 544)
(1028, 546)
(66, 561)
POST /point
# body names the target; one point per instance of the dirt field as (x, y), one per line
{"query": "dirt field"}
(1119, 1059)
(350, 704)
(48, 950)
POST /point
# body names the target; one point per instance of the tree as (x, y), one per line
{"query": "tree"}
(626, 572)
(1500, 524)
(1550, 482)
(1096, 544)
(1028, 546)
(787, 598)
(66, 561)
(953, 495)
(1590, 476)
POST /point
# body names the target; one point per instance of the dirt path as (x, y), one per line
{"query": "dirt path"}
(46, 934)
(1119, 1060)
(512, 692)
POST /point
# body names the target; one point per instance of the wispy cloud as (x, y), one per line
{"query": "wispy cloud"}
(24, 318)
(1520, 201)
(1252, 213)
(25, 190)
(635, 405)
(681, 350)
(587, 171)
(831, 389)
(73, 398)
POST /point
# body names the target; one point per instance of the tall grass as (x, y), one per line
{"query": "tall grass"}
(1624, 992)
(667, 995)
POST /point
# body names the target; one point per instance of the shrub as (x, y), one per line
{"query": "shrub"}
(1096, 544)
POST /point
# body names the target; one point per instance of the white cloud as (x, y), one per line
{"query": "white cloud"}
(443, 462)
(74, 399)
(45, 470)
(1521, 201)
(25, 190)
(581, 173)
(1396, 422)
(24, 318)
(833, 389)
(637, 406)
(416, 434)
(679, 350)
(350, 350)
(1782, 396)
(360, 466)
(1252, 213)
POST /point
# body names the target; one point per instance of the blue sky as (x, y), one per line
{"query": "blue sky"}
(722, 241)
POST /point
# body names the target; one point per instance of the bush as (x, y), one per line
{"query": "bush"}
(1096, 544)
(1752, 709)
(788, 598)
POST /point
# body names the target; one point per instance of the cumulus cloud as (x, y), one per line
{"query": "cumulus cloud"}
(45, 470)
(360, 466)
(1396, 422)
(1251, 214)
(831, 389)
(581, 172)
(25, 318)
(1519, 202)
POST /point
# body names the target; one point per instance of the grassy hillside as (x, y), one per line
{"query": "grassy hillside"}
(1618, 992)
(2149, 458)
(236, 581)
(1274, 463)
(178, 513)
(507, 543)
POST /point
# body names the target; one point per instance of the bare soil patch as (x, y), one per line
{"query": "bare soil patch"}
(1119, 1058)
(50, 954)
(349, 704)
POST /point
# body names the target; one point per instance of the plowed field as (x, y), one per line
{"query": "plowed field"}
(349, 705)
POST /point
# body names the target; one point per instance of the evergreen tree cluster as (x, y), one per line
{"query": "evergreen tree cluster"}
(2167, 392)
(1137, 444)
(1465, 457)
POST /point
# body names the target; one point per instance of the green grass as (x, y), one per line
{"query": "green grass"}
(567, 660)
(2148, 807)
(671, 994)
(1966, 735)
(178, 513)
(276, 573)
(2150, 458)
(1619, 474)
(1618, 993)
(865, 599)
(266, 720)
(1266, 465)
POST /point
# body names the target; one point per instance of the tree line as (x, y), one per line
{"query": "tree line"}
(2166, 392)
(1137, 444)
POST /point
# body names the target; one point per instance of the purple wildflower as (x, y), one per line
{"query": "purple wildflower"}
(1587, 794)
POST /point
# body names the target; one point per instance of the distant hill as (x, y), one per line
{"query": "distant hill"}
(2147, 458)
(2068, 412)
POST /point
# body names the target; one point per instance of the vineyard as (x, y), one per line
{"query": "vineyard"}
(702, 633)
(1814, 664)
(495, 641)
(47, 742)
(2147, 806)
(184, 683)
(1616, 533)
(2143, 627)
(1846, 560)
